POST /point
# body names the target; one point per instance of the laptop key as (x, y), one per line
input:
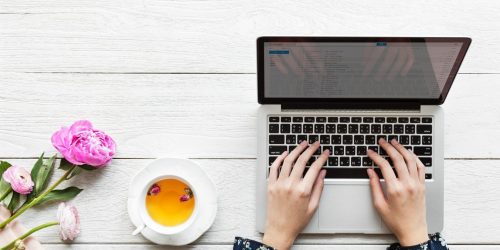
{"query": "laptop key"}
(370, 139)
(364, 128)
(291, 148)
(404, 139)
(424, 129)
(324, 139)
(414, 119)
(285, 128)
(356, 161)
(272, 159)
(368, 119)
(345, 119)
(342, 128)
(392, 120)
(333, 119)
(427, 120)
(344, 161)
(276, 139)
(359, 139)
(373, 148)
(409, 129)
(347, 139)
(336, 139)
(274, 119)
(403, 120)
(301, 138)
(330, 148)
(426, 140)
(350, 150)
(277, 150)
(356, 119)
(379, 119)
(376, 129)
(307, 128)
(319, 128)
(415, 140)
(291, 139)
(422, 150)
(274, 128)
(313, 139)
(286, 119)
(333, 161)
(321, 119)
(390, 137)
(387, 129)
(361, 150)
(353, 128)
(309, 119)
(398, 129)
(297, 119)
(367, 161)
(427, 161)
(338, 150)
(330, 128)
(296, 128)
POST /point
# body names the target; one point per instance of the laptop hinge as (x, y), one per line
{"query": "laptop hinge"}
(352, 105)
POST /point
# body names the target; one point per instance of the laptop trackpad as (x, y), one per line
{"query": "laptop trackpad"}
(348, 208)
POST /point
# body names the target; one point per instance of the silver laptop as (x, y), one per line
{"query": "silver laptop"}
(347, 92)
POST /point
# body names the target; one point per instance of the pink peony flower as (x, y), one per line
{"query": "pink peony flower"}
(19, 179)
(69, 221)
(81, 144)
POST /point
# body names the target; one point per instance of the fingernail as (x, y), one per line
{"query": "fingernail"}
(323, 174)
(303, 143)
(369, 172)
(316, 142)
(327, 151)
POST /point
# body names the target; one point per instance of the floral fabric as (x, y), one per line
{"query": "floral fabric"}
(436, 242)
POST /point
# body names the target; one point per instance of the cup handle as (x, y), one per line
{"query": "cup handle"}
(138, 229)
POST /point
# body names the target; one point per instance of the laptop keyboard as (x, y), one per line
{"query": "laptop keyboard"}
(349, 137)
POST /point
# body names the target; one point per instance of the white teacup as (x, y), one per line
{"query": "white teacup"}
(155, 226)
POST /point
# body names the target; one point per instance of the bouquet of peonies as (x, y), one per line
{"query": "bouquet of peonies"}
(82, 147)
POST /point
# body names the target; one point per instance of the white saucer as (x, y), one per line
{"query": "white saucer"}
(206, 199)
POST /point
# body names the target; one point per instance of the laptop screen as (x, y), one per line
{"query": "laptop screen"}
(373, 68)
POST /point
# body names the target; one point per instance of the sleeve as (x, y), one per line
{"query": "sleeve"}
(435, 242)
(247, 244)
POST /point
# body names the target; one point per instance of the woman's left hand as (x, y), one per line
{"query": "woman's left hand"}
(291, 199)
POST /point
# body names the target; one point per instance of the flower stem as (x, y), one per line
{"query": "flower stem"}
(38, 198)
(30, 232)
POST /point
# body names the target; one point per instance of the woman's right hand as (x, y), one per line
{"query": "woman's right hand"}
(402, 208)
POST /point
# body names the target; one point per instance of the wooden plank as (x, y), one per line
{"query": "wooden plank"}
(470, 213)
(218, 36)
(208, 116)
(213, 247)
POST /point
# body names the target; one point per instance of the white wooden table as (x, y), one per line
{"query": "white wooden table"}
(177, 78)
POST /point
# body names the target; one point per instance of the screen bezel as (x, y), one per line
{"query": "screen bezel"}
(430, 101)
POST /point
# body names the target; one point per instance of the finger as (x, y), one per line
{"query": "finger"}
(384, 166)
(273, 171)
(397, 159)
(316, 191)
(290, 160)
(378, 197)
(300, 165)
(411, 164)
(420, 168)
(314, 170)
(409, 61)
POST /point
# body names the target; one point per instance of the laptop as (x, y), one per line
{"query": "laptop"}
(347, 92)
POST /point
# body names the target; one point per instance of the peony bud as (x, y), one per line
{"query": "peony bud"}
(69, 221)
(19, 179)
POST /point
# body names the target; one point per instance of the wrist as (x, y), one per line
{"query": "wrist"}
(413, 238)
(278, 240)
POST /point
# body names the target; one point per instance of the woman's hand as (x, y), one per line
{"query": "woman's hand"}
(403, 208)
(291, 199)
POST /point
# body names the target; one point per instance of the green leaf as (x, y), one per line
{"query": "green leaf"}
(4, 166)
(14, 201)
(65, 164)
(41, 175)
(60, 195)
(4, 186)
(87, 167)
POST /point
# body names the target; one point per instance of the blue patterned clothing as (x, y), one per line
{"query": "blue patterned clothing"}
(435, 242)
